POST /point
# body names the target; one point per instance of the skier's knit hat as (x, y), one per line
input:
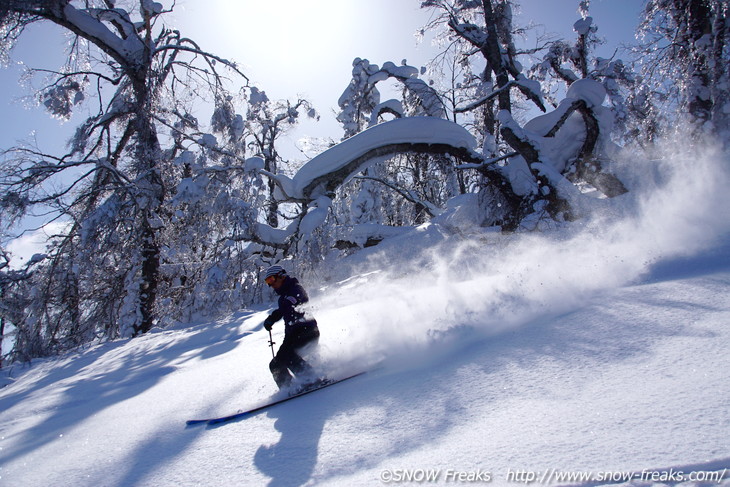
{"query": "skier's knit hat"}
(274, 270)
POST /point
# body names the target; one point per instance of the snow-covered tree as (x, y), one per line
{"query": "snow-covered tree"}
(564, 62)
(266, 122)
(687, 41)
(103, 272)
(536, 161)
(404, 189)
(528, 170)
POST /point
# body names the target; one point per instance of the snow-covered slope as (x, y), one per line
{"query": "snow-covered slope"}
(597, 352)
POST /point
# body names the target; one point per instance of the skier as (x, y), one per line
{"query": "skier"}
(300, 330)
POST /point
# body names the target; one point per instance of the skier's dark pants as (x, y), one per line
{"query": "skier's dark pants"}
(288, 358)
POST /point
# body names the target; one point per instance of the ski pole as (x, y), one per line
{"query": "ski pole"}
(271, 344)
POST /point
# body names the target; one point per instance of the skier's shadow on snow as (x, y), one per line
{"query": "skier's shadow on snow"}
(291, 461)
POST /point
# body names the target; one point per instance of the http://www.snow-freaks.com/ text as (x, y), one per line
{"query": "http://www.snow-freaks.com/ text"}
(544, 477)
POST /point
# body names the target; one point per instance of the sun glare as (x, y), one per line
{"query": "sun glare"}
(304, 47)
(289, 31)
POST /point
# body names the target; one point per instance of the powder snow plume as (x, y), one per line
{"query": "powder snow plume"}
(438, 298)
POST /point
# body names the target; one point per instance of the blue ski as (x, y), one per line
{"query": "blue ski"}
(251, 412)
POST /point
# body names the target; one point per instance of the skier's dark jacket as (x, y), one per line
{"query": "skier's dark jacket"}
(291, 296)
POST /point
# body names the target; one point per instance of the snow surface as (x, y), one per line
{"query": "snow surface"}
(599, 349)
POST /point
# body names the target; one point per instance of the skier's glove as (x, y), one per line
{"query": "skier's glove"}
(269, 322)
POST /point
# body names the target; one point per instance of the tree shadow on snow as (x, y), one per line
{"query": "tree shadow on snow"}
(105, 376)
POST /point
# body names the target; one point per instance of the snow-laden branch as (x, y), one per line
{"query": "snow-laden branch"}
(208, 56)
(316, 181)
(89, 24)
(394, 107)
(428, 97)
(487, 162)
(483, 100)
(361, 99)
(332, 168)
(475, 34)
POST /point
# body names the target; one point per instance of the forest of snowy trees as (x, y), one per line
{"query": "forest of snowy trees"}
(162, 216)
